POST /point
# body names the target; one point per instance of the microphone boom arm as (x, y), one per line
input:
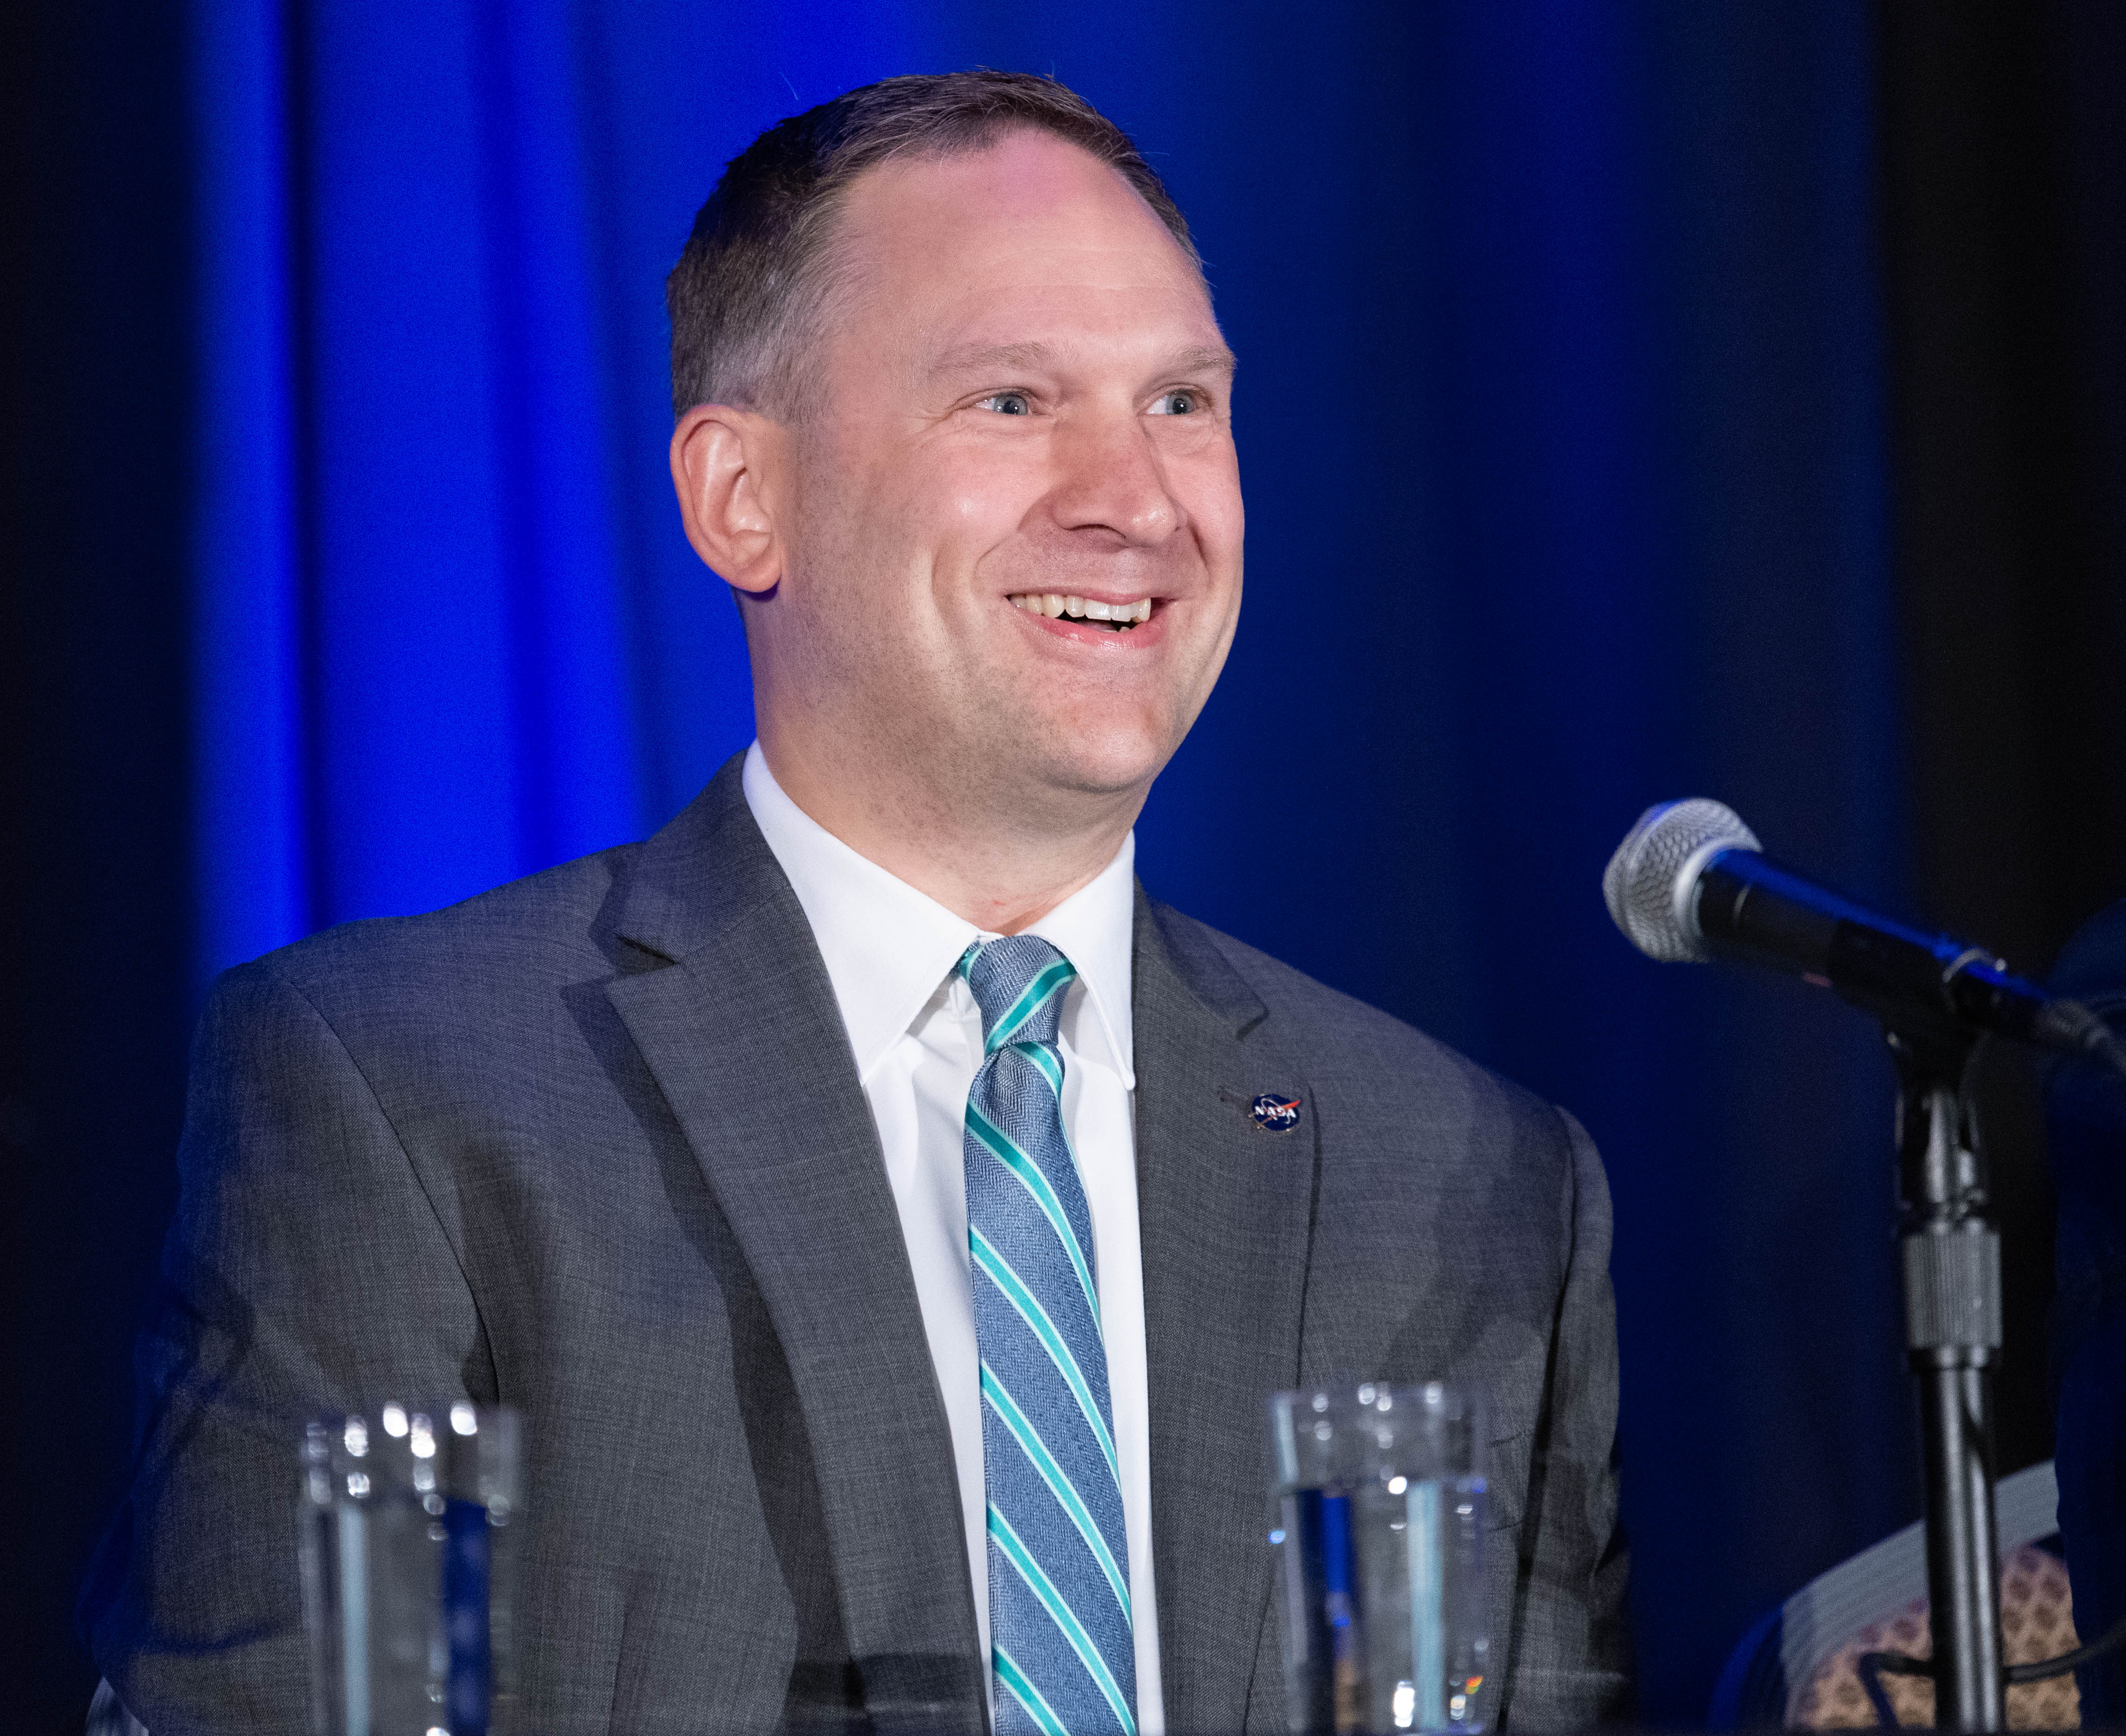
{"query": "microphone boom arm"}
(1925, 984)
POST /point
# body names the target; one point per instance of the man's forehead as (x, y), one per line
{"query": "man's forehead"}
(1027, 256)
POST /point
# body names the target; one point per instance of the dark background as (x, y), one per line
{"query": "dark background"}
(1637, 402)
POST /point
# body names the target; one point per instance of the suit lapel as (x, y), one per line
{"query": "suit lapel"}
(741, 1032)
(1224, 1210)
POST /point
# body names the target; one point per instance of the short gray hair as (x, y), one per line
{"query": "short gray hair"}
(747, 293)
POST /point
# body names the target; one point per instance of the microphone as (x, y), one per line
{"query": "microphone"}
(1690, 883)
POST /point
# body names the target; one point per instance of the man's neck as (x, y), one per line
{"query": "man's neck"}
(1003, 872)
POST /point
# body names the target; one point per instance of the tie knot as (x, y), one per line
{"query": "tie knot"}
(1019, 983)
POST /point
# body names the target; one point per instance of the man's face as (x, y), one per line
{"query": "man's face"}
(1025, 409)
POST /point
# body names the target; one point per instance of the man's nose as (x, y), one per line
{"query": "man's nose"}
(1112, 478)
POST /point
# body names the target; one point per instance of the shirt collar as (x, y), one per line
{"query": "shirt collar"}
(887, 946)
(1094, 928)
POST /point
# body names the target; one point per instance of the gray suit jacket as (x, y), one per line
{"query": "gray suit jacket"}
(593, 1144)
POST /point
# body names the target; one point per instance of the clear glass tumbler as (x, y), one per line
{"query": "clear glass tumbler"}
(410, 1522)
(1381, 1492)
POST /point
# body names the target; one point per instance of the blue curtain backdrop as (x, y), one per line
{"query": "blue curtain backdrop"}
(1562, 418)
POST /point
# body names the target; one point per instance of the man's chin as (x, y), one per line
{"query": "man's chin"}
(1065, 762)
(1111, 770)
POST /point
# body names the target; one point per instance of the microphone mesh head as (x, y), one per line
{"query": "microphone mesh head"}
(1648, 880)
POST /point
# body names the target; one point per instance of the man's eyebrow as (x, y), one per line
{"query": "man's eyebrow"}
(982, 358)
(1206, 359)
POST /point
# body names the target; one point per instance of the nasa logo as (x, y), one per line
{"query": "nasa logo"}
(1274, 1113)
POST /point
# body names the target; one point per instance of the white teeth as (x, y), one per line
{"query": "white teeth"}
(1081, 608)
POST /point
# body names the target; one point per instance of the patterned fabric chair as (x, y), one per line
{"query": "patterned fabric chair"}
(1796, 1669)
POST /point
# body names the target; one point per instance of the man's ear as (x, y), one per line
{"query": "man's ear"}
(725, 466)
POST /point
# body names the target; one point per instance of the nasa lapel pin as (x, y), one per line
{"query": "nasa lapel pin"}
(1273, 1112)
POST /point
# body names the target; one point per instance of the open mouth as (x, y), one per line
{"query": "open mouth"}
(1115, 617)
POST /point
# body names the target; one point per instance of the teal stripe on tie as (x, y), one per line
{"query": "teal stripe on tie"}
(1025, 1693)
(1006, 1152)
(1051, 1067)
(1059, 1611)
(1022, 1009)
(1059, 1485)
(1044, 1329)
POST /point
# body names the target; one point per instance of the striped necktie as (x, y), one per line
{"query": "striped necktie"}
(1059, 1560)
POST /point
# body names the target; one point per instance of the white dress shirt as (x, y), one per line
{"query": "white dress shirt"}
(917, 1036)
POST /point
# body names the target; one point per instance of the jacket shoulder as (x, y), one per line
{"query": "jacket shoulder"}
(545, 926)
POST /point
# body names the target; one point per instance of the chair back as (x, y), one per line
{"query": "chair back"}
(1796, 1668)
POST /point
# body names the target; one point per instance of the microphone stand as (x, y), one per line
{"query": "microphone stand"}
(1951, 1260)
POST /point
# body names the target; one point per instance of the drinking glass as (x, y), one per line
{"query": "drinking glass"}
(410, 1520)
(1381, 1492)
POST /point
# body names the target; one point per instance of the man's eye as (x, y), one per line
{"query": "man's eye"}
(1176, 403)
(1006, 404)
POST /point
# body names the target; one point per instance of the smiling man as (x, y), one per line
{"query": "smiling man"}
(973, 483)
(889, 1222)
